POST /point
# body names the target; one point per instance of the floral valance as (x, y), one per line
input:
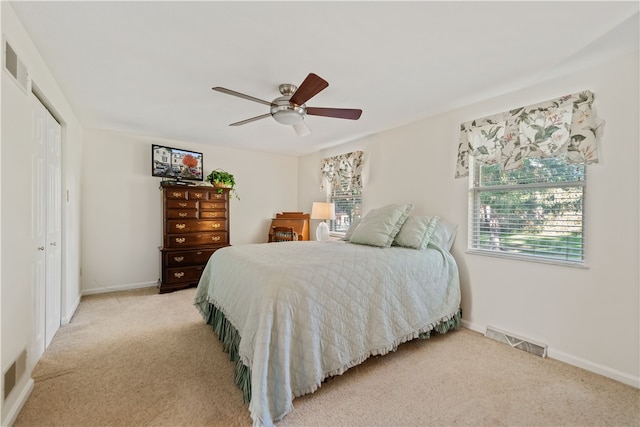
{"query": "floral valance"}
(562, 127)
(346, 167)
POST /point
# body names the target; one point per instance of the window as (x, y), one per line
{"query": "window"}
(343, 174)
(534, 212)
(528, 178)
(348, 202)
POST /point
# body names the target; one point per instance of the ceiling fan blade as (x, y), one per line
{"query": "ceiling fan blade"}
(252, 119)
(301, 128)
(240, 95)
(310, 87)
(338, 113)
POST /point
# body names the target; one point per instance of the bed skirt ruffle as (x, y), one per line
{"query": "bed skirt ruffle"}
(230, 339)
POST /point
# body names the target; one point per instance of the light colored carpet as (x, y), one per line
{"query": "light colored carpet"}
(138, 358)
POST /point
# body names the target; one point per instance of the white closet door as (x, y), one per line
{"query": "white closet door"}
(38, 228)
(54, 226)
(47, 227)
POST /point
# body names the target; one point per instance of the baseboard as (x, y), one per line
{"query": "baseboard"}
(574, 361)
(594, 367)
(127, 287)
(67, 318)
(14, 411)
(474, 327)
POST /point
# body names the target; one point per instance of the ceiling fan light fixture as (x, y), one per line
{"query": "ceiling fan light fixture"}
(286, 113)
(301, 128)
(287, 117)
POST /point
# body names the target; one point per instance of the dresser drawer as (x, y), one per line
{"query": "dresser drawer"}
(198, 195)
(214, 195)
(213, 205)
(176, 194)
(213, 214)
(182, 204)
(183, 274)
(177, 226)
(187, 258)
(182, 213)
(196, 239)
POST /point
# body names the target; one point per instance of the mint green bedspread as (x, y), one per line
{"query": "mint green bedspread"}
(304, 311)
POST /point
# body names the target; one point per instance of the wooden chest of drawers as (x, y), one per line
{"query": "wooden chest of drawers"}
(195, 224)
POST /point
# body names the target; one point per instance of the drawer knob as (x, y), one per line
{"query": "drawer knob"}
(182, 214)
(180, 239)
(215, 238)
(182, 205)
(181, 226)
(178, 258)
(198, 195)
(178, 275)
(176, 194)
(215, 225)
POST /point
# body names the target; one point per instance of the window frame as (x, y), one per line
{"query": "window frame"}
(474, 224)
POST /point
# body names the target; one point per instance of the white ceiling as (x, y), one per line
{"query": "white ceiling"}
(148, 67)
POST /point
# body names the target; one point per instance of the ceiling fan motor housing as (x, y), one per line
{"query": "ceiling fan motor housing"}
(285, 112)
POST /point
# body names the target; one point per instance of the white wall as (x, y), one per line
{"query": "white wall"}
(122, 216)
(15, 226)
(588, 317)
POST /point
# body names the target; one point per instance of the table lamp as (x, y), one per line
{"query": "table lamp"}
(323, 211)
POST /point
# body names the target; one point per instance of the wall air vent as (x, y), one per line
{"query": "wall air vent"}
(14, 373)
(515, 341)
(14, 66)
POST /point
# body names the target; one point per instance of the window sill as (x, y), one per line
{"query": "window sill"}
(540, 260)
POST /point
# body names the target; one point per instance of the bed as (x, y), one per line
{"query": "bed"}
(292, 314)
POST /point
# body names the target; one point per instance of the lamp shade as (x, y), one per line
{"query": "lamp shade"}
(322, 210)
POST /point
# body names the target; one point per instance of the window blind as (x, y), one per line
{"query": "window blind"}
(348, 203)
(535, 211)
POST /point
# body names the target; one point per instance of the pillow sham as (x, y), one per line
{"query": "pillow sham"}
(444, 234)
(351, 229)
(416, 232)
(379, 226)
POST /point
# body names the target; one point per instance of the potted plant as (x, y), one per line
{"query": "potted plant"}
(222, 179)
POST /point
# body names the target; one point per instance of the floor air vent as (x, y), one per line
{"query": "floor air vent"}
(516, 341)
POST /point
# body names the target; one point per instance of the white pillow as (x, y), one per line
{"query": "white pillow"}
(416, 232)
(379, 226)
(352, 227)
(444, 234)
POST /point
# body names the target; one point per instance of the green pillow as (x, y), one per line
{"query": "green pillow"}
(379, 226)
(416, 232)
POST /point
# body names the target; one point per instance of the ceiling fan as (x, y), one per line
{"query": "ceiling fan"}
(290, 108)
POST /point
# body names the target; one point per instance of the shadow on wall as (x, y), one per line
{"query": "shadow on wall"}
(465, 286)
